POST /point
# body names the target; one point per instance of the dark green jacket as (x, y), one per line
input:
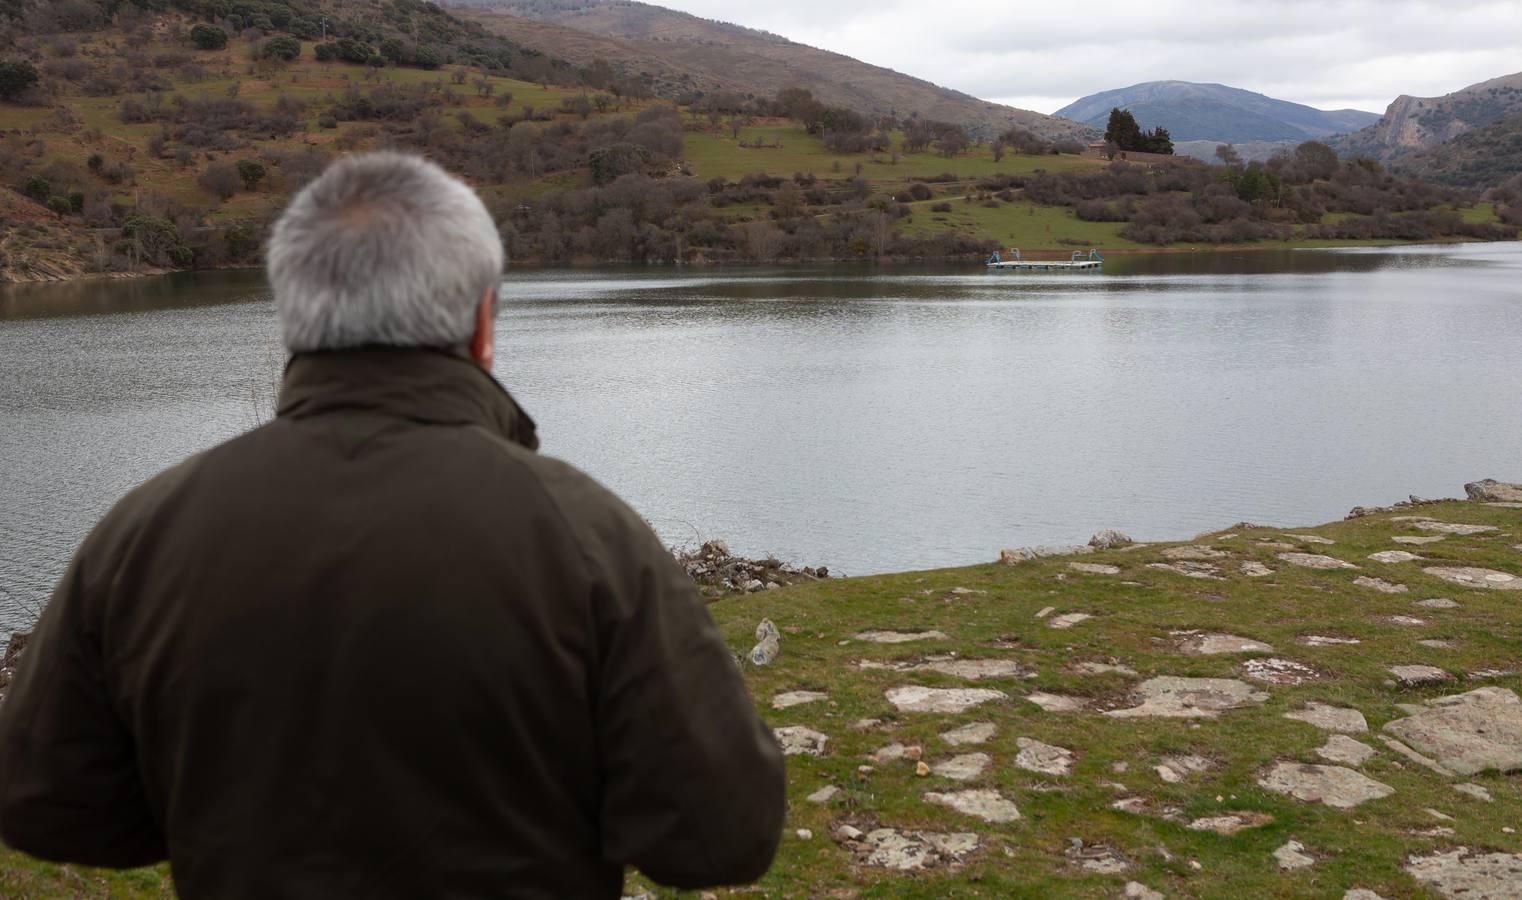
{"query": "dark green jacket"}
(381, 648)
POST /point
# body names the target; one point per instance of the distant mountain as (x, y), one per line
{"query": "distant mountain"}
(679, 53)
(1413, 124)
(1215, 112)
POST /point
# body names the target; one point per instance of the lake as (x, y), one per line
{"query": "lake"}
(864, 418)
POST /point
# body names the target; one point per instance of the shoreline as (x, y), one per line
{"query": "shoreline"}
(8, 279)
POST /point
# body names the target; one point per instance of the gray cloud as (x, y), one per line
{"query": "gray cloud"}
(1325, 53)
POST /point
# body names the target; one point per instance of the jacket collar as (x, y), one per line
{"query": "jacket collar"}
(435, 387)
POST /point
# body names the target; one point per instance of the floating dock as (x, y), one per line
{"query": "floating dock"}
(1080, 262)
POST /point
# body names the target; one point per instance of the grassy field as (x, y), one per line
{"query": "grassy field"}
(1136, 612)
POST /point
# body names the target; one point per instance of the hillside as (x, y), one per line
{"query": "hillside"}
(719, 56)
(1480, 158)
(1413, 124)
(1259, 712)
(1215, 112)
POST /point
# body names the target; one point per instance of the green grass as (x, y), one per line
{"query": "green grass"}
(1133, 615)
(1028, 226)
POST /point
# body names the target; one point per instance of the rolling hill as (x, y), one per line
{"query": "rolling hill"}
(1413, 126)
(677, 53)
(1215, 113)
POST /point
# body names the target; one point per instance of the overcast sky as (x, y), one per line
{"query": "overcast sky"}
(1331, 54)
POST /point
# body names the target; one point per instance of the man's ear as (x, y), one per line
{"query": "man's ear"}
(483, 342)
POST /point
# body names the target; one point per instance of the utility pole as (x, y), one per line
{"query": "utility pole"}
(325, 28)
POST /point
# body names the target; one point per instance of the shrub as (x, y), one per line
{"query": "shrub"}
(427, 58)
(220, 179)
(942, 207)
(208, 37)
(251, 172)
(159, 240)
(95, 162)
(326, 120)
(38, 188)
(919, 191)
(60, 205)
(282, 47)
(16, 76)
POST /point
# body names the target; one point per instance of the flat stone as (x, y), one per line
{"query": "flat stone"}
(1315, 561)
(797, 698)
(1206, 643)
(1135, 890)
(1341, 749)
(1408, 753)
(1330, 718)
(1231, 823)
(1194, 552)
(1094, 568)
(1310, 539)
(1361, 894)
(965, 767)
(1417, 540)
(1190, 569)
(1437, 643)
(1453, 527)
(1470, 874)
(1293, 856)
(1478, 792)
(1056, 702)
(1034, 756)
(1277, 545)
(976, 669)
(824, 795)
(888, 848)
(800, 740)
(1469, 732)
(1045, 611)
(915, 698)
(899, 637)
(1170, 696)
(1089, 667)
(1100, 859)
(1067, 620)
(1437, 603)
(1413, 675)
(1335, 786)
(1379, 584)
(1470, 576)
(1322, 640)
(973, 733)
(891, 753)
(1176, 769)
(1272, 670)
(1394, 556)
(1255, 569)
(1408, 621)
(981, 803)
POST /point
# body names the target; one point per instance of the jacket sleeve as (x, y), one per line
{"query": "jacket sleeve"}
(69, 784)
(694, 788)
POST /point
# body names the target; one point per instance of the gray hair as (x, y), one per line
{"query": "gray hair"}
(382, 249)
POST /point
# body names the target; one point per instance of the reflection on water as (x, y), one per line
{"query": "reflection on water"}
(868, 418)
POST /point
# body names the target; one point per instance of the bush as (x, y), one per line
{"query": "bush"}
(919, 191)
(95, 162)
(220, 179)
(942, 207)
(282, 47)
(251, 172)
(208, 37)
(16, 76)
(427, 58)
(326, 120)
(38, 188)
(60, 205)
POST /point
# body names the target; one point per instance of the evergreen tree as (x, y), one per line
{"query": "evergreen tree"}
(1123, 131)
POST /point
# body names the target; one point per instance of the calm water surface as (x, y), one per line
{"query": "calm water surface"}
(869, 419)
